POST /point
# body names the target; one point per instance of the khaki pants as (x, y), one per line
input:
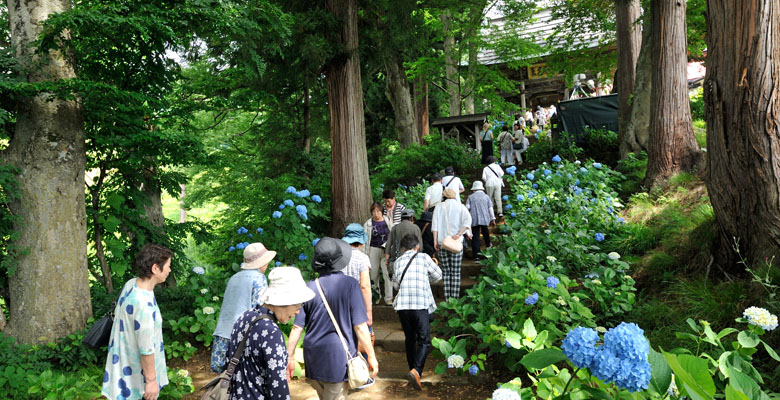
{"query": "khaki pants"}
(494, 192)
(377, 257)
(329, 390)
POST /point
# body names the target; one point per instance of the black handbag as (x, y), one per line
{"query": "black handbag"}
(100, 332)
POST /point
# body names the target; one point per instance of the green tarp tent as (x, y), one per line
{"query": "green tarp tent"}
(590, 112)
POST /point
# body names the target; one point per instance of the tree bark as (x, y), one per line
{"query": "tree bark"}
(153, 212)
(451, 67)
(742, 97)
(50, 289)
(636, 134)
(350, 187)
(182, 210)
(306, 119)
(672, 147)
(421, 107)
(629, 39)
(471, 79)
(97, 230)
(401, 100)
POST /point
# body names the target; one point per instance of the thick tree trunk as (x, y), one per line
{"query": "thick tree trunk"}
(451, 67)
(153, 212)
(629, 39)
(421, 107)
(472, 78)
(401, 100)
(672, 147)
(50, 289)
(350, 187)
(636, 134)
(742, 97)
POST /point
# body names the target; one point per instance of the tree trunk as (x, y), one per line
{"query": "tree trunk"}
(421, 107)
(97, 230)
(153, 212)
(350, 187)
(472, 78)
(306, 119)
(182, 210)
(672, 147)
(451, 67)
(50, 289)
(629, 39)
(401, 100)
(742, 97)
(637, 131)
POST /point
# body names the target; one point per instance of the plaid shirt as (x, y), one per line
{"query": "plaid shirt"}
(414, 292)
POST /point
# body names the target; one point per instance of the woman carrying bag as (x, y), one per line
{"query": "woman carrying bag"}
(450, 221)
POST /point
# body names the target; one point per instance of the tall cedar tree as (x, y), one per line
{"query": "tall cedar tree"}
(350, 188)
(50, 289)
(672, 147)
(629, 39)
(742, 97)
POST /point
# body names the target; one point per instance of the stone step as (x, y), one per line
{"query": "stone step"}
(465, 283)
(389, 335)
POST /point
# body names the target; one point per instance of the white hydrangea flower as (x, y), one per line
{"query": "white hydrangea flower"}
(505, 394)
(577, 162)
(601, 329)
(204, 291)
(208, 310)
(761, 317)
(613, 255)
(551, 259)
(215, 298)
(455, 361)
(596, 281)
(183, 373)
(561, 301)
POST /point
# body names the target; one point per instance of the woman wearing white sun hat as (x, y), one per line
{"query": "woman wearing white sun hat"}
(242, 293)
(261, 371)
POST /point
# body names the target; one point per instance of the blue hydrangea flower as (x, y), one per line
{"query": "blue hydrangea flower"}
(240, 246)
(604, 365)
(579, 346)
(289, 203)
(621, 220)
(633, 375)
(315, 241)
(552, 282)
(511, 170)
(520, 197)
(505, 197)
(277, 214)
(513, 214)
(250, 235)
(532, 299)
(301, 209)
(473, 369)
(316, 198)
(260, 230)
(530, 176)
(535, 186)
(231, 248)
(583, 170)
(291, 189)
(242, 230)
(556, 158)
(198, 270)
(627, 340)
(303, 193)
(507, 343)
(577, 182)
(547, 172)
(597, 165)
(599, 236)
(278, 263)
(282, 206)
(302, 257)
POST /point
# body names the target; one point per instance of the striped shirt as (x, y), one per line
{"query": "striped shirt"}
(481, 208)
(358, 263)
(394, 215)
(414, 293)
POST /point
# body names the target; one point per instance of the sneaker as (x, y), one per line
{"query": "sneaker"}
(370, 382)
(414, 379)
(377, 301)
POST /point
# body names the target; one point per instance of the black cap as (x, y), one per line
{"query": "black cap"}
(436, 177)
(330, 255)
(449, 171)
(426, 216)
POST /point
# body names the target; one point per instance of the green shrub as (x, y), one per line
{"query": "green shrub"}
(697, 104)
(544, 149)
(412, 165)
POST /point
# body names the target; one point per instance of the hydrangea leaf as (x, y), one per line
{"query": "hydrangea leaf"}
(441, 368)
(771, 351)
(514, 339)
(661, 375)
(692, 375)
(541, 359)
(529, 330)
(748, 339)
(744, 384)
(734, 394)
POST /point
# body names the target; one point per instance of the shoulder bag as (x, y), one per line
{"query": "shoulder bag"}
(357, 367)
(100, 332)
(398, 286)
(449, 243)
(219, 387)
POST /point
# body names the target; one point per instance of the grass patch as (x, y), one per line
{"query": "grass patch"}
(700, 130)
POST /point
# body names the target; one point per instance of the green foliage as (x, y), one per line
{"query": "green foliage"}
(412, 165)
(634, 169)
(545, 148)
(550, 233)
(697, 104)
(9, 251)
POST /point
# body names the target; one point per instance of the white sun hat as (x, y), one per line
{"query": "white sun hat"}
(256, 256)
(286, 287)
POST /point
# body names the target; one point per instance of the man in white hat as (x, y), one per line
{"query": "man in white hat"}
(242, 293)
(481, 208)
(260, 372)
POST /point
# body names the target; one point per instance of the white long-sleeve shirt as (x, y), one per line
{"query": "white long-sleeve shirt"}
(452, 214)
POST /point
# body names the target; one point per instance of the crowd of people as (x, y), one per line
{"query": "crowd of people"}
(335, 310)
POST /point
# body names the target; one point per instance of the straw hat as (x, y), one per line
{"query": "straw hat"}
(449, 193)
(286, 287)
(256, 256)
